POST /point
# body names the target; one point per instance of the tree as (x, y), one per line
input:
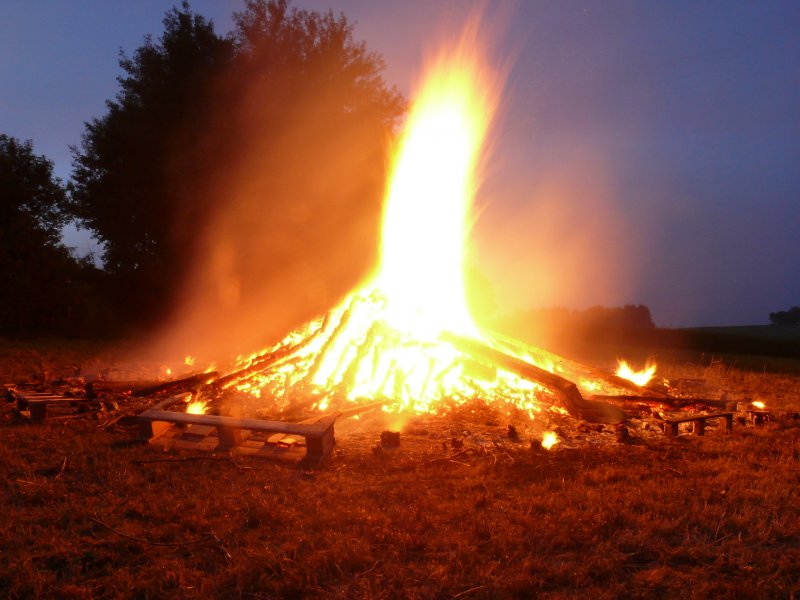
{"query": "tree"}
(43, 285)
(786, 318)
(239, 136)
(122, 172)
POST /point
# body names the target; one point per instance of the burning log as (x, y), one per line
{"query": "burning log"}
(176, 384)
(140, 389)
(659, 401)
(599, 374)
(565, 390)
(260, 363)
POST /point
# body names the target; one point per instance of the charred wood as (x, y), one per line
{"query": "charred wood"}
(140, 388)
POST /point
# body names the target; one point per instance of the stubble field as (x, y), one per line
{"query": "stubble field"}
(88, 514)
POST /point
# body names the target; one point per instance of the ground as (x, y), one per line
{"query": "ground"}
(88, 514)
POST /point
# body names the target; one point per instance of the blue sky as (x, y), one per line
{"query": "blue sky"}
(647, 152)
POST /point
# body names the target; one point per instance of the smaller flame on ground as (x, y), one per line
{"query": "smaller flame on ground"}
(549, 439)
(758, 404)
(189, 360)
(640, 378)
(196, 407)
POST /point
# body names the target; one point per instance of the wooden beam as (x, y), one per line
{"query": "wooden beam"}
(572, 365)
(699, 422)
(565, 390)
(303, 429)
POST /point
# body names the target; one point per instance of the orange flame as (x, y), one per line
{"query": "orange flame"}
(640, 378)
(196, 407)
(427, 210)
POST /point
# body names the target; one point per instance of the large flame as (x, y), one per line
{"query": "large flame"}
(427, 208)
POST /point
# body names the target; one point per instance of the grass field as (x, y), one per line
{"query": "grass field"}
(89, 515)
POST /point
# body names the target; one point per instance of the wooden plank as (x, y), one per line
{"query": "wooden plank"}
(664, 401)
(688, 418)
(150, 430)
(203, 430)
(36, 403)
(38, 412)
(229, 437)
(231, 432)
(318, 448)
(54, 399)
(699, 421)
(315, 429)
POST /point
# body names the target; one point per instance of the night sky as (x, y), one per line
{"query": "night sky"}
(647, 152)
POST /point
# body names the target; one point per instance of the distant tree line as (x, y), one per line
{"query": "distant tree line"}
(548, 324)
(46, 290)
(786, 318)
(193, 109)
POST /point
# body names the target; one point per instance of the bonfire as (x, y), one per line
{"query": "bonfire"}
(405, 339)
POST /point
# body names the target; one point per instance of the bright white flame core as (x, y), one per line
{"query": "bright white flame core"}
(426, 219)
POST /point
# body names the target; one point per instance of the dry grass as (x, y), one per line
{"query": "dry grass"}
(690, 517)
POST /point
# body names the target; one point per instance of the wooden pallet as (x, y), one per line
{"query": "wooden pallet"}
(760, 417)
(34, 404)
(699, 421)
(240, 436)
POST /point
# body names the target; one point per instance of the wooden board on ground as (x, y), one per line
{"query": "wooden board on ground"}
(34, 405)
(699, 421)
(250, 437)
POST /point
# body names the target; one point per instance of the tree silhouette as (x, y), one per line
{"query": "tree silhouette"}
(44, 288)
(786, 318)
(122, 172)
(276, 103)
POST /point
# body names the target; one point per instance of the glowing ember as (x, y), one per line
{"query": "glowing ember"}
(758, 404)
(549, 439)
(640, 378)
(189, 360)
